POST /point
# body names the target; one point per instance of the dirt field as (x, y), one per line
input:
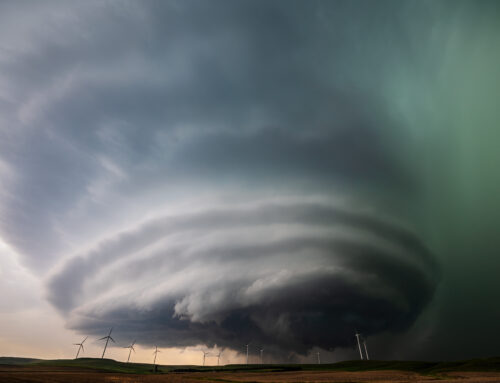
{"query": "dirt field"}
(16, 374)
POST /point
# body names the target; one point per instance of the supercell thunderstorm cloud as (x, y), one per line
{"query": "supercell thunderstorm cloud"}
(286, 173)
(280, 274)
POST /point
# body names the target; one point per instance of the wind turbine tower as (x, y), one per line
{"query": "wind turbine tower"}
(108, 337)
(131, 348)
(261, 356)
(156, 351)
(319, 361)
(205, 353)
(218, 357)
(247, 351)
(80, 347)
(359, 345)
(366, 350)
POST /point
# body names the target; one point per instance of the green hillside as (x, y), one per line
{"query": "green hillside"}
(107, 365)
(110, 365)
(489, 364)
(16, 361)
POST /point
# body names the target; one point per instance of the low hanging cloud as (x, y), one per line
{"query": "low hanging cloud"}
(289, 275)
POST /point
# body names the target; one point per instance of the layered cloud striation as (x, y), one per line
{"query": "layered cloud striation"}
(288, 275)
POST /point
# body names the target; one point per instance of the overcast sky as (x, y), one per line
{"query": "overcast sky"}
(200, 174)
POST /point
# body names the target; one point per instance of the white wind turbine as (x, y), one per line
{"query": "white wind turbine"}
(261, 355)
(205, 353)
(107, 337)
(80, 347)
(218, 357)
(319, 361)
(131, 348)
(246, 345)
(366, 350)
(359, 345)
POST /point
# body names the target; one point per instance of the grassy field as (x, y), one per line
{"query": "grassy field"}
(90, 370)
(109, 365)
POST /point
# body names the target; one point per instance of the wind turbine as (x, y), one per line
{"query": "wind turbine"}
(80, 347)
(247, 350)
(108, 337)
(366, 350)
(205, 353)
(218, 357)
(359, 345)
(156, 351)
(261, 355)
(319, 361)
(131, 348)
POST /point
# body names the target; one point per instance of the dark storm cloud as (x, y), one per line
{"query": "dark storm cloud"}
(279, 274)
(178, 90)
(352, 155)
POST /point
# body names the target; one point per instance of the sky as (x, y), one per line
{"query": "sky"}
(205, 175)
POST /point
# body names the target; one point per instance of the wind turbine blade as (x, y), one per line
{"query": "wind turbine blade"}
(82, 347)
(104, 337)
(83, 341)
(112, 340)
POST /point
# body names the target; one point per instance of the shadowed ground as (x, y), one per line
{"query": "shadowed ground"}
(97, 370)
